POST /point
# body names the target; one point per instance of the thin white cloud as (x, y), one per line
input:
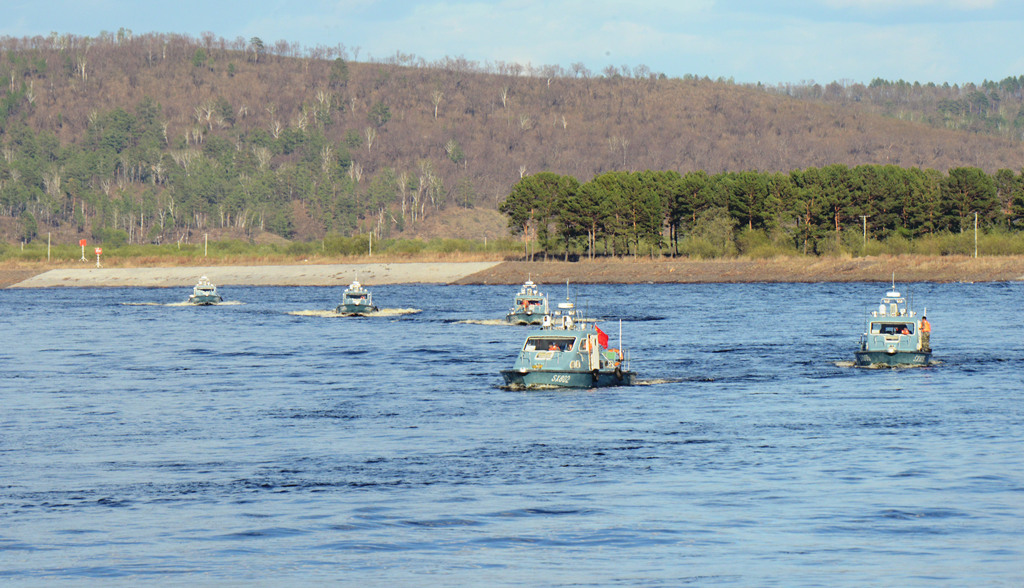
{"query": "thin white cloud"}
(896, 5)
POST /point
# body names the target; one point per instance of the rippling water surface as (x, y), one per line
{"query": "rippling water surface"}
(268, 441)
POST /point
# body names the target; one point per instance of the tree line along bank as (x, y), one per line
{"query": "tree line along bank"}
(862, 209)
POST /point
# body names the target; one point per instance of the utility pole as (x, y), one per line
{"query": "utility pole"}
(975, 235)
(865, 219)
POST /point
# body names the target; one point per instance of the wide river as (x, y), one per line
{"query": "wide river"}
(146, 442)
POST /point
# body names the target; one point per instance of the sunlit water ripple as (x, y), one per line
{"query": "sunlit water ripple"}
(142, 441)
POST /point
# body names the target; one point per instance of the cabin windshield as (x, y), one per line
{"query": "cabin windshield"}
(549, 343)
(891, 328)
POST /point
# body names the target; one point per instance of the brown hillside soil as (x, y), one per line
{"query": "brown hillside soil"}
(476, 224)
(868, 269)
(10, 277)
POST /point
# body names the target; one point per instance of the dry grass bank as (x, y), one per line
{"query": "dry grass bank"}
(907, 268)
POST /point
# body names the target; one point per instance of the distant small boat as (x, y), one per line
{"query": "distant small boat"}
(204, 293)
(530, 306)
(356, 301)
(568, 352)
(895, 336)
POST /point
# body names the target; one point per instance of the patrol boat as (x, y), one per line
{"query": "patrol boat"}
(571, 353)
(204, 293)
(356, 301)
(530, 306)
(894, 336)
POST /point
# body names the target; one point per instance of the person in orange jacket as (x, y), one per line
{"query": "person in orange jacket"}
(926, 334)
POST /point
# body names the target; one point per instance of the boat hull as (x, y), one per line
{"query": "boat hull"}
(899, 358)
(204, 300)
(567, 378)
(355, 309)
(522, 318)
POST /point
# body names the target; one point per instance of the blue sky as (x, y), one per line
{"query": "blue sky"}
(769, 41)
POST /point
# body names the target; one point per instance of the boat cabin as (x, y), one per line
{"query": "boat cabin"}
(529, 296)
(893, 329)
(549, 343)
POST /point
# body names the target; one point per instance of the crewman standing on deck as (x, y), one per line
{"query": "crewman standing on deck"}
(926, 334)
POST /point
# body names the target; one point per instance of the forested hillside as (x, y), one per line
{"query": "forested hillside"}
(993, 108)
(160, 137)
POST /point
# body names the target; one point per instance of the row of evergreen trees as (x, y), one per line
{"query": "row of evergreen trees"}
(815, 210)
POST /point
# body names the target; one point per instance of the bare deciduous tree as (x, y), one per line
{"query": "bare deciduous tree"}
(436, 99)
(371, 135)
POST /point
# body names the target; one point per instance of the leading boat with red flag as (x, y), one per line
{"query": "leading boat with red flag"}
(569, 352)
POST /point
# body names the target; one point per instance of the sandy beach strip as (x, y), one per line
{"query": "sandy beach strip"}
(904, 268)
(258, 275)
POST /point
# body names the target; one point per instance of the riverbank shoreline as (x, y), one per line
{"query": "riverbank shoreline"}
(907, 268)
(255, 275)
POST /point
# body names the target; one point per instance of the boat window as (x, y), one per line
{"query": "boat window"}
(892, 328)
(549, 344)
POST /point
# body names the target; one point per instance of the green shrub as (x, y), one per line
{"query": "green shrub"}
(406, 247)
(698, 248)
(300, 248)
(110, 237)
(451, 245)
(335, 244)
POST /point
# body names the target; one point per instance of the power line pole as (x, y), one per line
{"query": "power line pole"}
(975, 235)
(865, 219)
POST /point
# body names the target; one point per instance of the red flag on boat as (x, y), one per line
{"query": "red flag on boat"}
(602, 337)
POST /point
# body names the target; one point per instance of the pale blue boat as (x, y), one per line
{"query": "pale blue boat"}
(568, 352)
(894, 337)
(530, 306)
(204, 293)
(356, 301)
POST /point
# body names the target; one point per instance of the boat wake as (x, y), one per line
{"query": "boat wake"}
(396, 311)
(384, 312)
(491, 322)
(225, 303)
(320, 313)
(185, 303)
(657, 381)
(884, 366)
(533, 387)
